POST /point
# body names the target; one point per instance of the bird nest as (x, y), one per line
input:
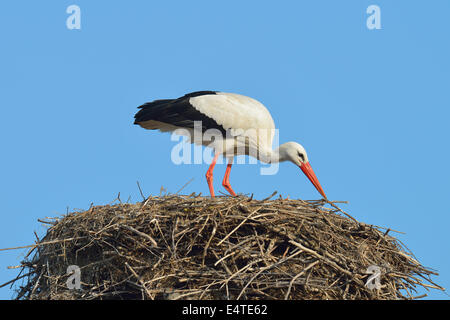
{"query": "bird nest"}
(192, 247)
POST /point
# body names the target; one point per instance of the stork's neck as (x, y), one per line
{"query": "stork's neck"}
(273, 156)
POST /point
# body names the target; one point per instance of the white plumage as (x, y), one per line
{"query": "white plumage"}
(249, 123)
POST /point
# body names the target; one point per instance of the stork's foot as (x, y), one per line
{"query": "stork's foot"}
(229, 189)
(226, 180)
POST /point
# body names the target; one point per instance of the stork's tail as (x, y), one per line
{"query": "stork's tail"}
(151, 110)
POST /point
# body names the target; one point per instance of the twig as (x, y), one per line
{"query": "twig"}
(140, 280)
(140, 191)
(154, 243)
(184, 186)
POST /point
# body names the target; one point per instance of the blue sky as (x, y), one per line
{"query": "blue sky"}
(371, 107)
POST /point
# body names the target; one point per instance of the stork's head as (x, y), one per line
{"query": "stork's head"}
(295, 153)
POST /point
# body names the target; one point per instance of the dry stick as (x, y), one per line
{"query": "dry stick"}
(207, 288)
(139, 279)
(265, 199)
(30, 251)
(209, 241)
(161, 277)
(145, 203)
(407, 278)
(224, 264)
(184, 186)
(239, 225)
(46, 222)
(297, 276)
(187, 294)
(174, 247)
(340, 210)
(266, 268)
(224, 257)
(242, 269)
(43, 243)
(428, 272)
(140, 190)
(421, 296)
(327, 261)
(37, 283)
(37, 238)
(293, 238)
(144, 235)
(17, 278)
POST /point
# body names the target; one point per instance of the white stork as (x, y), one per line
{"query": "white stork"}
(244, 125)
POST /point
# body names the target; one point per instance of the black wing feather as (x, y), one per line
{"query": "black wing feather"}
(177, 112)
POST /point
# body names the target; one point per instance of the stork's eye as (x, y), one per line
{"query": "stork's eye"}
(302, 156)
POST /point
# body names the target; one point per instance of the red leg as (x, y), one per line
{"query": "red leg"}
(226, 180)
(209, 175)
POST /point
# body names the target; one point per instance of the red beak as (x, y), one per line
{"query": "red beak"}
(308, 171)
